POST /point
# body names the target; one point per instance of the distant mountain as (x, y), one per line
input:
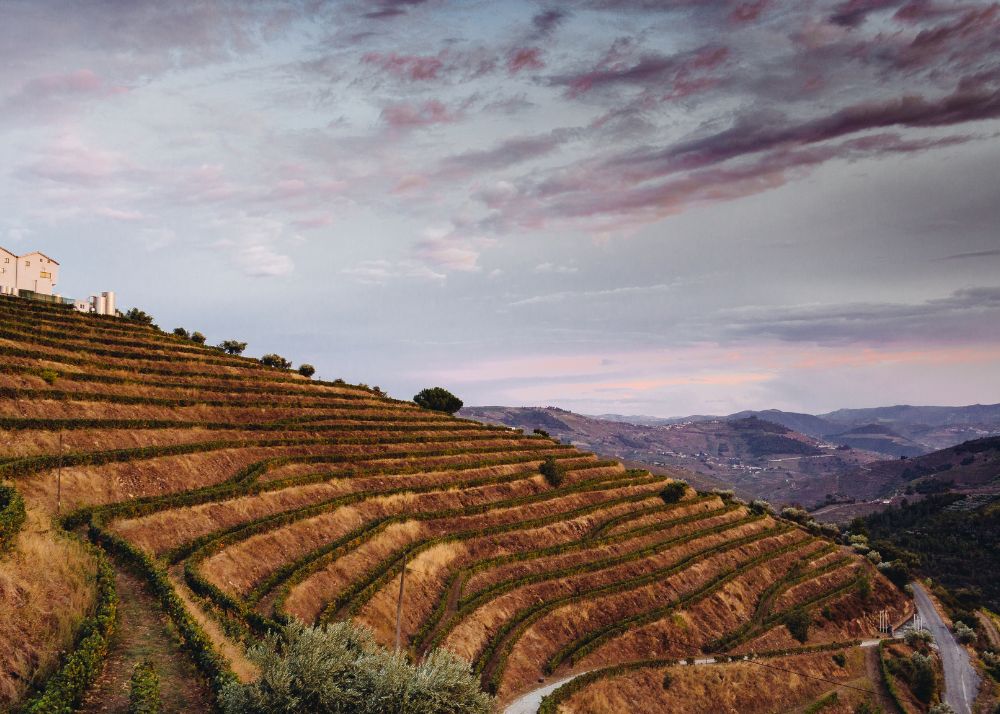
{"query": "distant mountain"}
(880, 439)
(814, 426)
(757, 457)
(915, 429)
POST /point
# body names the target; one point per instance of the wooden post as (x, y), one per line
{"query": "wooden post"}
(399, 605)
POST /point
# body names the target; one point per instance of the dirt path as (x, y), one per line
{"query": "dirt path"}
(143, 634)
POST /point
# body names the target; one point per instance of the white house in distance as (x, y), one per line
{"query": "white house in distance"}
(36, 274)
(35, 271)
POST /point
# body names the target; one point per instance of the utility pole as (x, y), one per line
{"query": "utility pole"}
(399, 605)
(59, 476)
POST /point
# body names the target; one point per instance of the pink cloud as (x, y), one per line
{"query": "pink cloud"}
(529, 58)
(748, 11)
(409, 115)
(416, 68)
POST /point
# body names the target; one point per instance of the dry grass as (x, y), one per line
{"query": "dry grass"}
(568, 622)
(738, 688)
(115, 482)
(46, 588)
(565, 624)
(850, 617)
(166, 529)
(308, 596)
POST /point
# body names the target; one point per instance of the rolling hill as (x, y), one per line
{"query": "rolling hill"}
(147, 478)
(756, 457)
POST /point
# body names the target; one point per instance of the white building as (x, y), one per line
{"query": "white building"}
(34, 271)
(38, 273)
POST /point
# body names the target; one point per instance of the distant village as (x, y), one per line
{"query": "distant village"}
(34, 276)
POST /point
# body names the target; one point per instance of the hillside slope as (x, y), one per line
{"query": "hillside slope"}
(244, 496)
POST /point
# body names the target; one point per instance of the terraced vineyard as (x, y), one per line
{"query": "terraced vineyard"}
(245, 496)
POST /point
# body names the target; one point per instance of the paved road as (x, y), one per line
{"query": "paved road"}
(529, 703)
(960, 679)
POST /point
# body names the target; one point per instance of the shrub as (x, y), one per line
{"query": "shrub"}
(540, 432)
(798, 621)
(874, 557)
(137, 315)
(181, 332)
(49, 376)
(232, 347)
(864, 588)
(668, 679)
(340, 668)
(12, 515)
(921, 676)
(917, 638)
(840, 659)
(438, 399)
(273, 360)
(144, 690)
(551, 471)
(198, 337)
(759, 505)
(795, 514)
(306, 370)
(941, 708)
(964, 633)
(673, 492)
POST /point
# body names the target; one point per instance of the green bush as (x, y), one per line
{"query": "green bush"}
(137, 315)
(668, 679)
(340, 668)
(181, 332)
(275, 360)
(839, 659)
(198, 337)
(963, 633)
(12, 515)
(438, 399)
(232, 347)
(673, 492)
(306, 370)
(551, 471)
(797, 621)
(144, 690)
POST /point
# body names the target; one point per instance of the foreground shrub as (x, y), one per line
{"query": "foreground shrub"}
(941, 708)
(438, 399)
(12, 516)
(198, 337)
(306, 370)
(144, 690)
(137, 315)
(918, 639)
(340, 668)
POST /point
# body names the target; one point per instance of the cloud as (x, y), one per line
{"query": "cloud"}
(380, 272)
(669, 75)
(962, 315)
(406, 115)
(555, 269)
(415, 68)
(524, 58)
(442, 249)
(389, 9)
(260, 261)
(972, 254)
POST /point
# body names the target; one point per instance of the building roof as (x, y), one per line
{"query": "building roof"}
(34, 252)
(38, 252)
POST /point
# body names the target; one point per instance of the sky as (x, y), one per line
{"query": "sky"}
(664, 208)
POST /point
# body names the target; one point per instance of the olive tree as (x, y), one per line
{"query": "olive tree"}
(439, 399)
(339, 668)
